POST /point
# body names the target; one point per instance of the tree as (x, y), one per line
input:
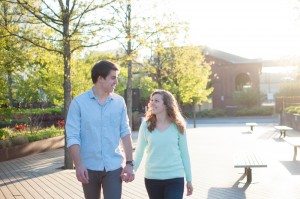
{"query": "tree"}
(14, 53)
(81, 76)
(42, 79)
(134, 29)
(68, 30)
(184, 72)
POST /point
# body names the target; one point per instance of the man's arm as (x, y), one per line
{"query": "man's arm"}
(127, 145)
(127, 173)
(81, 171)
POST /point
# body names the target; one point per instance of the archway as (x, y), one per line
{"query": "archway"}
(242, 81)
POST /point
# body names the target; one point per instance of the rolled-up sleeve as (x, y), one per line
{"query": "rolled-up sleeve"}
(73, 124)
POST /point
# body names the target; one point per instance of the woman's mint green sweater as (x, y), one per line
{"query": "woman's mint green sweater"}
(167, 153)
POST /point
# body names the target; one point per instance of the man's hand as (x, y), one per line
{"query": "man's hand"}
(82, 174)
(127, 174)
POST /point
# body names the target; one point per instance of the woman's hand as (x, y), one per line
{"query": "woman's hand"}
(189, 188)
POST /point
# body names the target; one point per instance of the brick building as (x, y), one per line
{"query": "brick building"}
(231, 73)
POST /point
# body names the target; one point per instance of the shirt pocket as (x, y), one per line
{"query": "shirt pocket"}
(112, 120)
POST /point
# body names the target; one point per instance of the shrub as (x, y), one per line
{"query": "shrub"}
(12, 137)
(61, 123)
(20, 127)
(293, 109)
(206, 113)
(3, 134)
(19, 140)
(247, 97)
(5, 144)
(44, 134)
(212, 113)
(258, 111)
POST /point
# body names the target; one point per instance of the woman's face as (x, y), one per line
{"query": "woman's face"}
(157, 104)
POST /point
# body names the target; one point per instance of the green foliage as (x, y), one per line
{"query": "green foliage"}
(3, 134)
(289, 89)
(31, 117)
(6, 113)
(247, 97)
(257, 111)
(44, 79)
(44, 134)
(207, 113)
(212, 113)
(17, 138)
(81, 71)
(183, 71)
(38, 111)
(147, 86)
(122, 81)
(293, 109)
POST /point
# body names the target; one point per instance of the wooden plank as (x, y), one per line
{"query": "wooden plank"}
(286, 128)
(295, 141)
(248, 160)
(61, 187)
(47, 186)
(23, 179)
(10, 183)
(5, 187)
(1, 194)
(19, 186)
(38, 185)
(71, 186)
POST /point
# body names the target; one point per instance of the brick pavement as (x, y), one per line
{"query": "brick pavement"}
(212, 148)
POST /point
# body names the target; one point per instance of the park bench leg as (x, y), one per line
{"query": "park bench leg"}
(248, 172)
(281, 133)
(295, 152)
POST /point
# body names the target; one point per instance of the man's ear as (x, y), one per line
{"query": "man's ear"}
(100, 78)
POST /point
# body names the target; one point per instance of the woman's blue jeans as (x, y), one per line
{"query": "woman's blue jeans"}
(165, 189)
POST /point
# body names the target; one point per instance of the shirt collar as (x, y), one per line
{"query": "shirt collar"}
(92, 95)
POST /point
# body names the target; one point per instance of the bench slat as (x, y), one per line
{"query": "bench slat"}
(248, 160)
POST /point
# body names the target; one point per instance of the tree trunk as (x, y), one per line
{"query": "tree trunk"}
(129, 93)
(195, 116)
(9, 87)
(129, 64)
(67, 81)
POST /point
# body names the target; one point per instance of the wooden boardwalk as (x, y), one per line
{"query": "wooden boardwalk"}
(211, 148)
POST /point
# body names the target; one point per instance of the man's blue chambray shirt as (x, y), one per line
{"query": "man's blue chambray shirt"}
(97, 129)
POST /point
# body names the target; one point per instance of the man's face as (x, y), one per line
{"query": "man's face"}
(110, 82)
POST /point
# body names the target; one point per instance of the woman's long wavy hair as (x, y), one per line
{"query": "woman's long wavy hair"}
(172, 109)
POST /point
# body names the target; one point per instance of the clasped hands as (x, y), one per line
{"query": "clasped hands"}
(127, 174)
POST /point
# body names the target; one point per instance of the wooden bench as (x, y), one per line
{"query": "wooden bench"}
(248, 160)
(251, 124)
(295, 142)
(283, 130)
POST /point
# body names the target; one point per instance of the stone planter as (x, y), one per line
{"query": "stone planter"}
(32, 148)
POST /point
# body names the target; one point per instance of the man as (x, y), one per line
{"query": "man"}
(97, 120)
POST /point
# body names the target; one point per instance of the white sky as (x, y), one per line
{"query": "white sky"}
(249, 28)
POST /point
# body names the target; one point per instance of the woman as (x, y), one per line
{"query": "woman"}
(163, 136)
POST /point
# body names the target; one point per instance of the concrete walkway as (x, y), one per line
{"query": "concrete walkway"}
(212, 147)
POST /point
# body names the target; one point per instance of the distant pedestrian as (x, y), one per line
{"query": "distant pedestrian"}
(162, 136)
